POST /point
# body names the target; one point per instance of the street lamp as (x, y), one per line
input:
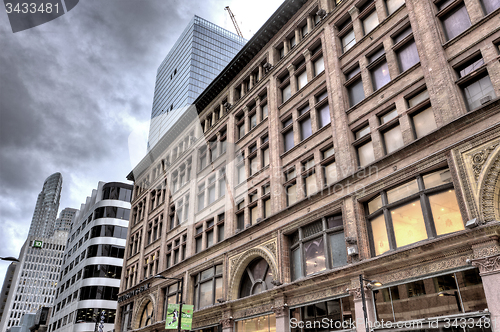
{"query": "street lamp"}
(370, 284)
(181, 280)
(10, 259)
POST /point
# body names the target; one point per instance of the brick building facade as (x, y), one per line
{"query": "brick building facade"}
(347, 139)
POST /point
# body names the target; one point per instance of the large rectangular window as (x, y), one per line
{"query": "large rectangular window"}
(420, 209)
(288, 139)
(444, 295)
(319, 65)
(490, 5)
(208, 287)
(379, 69)
(302, 80)
(348, 40)
(286, 93)
(455, 21)
(354, 86)
(317, 247)
(393, 139)
(475, 83)
(370, 22)
(324, 115)
(393, 5)
(406, 52)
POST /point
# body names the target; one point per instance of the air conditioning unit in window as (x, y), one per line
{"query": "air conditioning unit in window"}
(485, 99)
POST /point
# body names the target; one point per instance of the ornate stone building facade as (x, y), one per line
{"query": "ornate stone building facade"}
(348, 141)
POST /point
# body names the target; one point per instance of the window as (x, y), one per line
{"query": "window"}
(211, 194)
(337, 312)
(393, 139)
(417, 99)
(324, 115)
(266, 323)
(257, 278)
(172, 295)
(386, 117)
(317, 247)
(397, 216)
(292, 42)
(490, 5)
(393, 5)
(301, 80)
(319, 65)
(203, 158)
(475, 83)
(288, 135)
(254, 165)
(201, 197)
(406, 53)
(147, 315)
(282, 52)
(425, 294)
(454, 21)
(286, 93)
(208, 287)
(354, 86)
(305, 128)
(265, 111)
(304, 30)
(379, 69)
(253, 120)
(370, 22)
(348, 40)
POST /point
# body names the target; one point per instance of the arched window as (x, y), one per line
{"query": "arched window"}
(256, 278)
(147, 315)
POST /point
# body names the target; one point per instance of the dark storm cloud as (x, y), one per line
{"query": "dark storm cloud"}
(68, 90)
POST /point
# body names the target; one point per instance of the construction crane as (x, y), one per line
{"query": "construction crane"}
(238, 31)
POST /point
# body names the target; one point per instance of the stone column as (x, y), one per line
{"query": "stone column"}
(293, 81)
(281, 311)
(310, 23)
(298, 36)
(356, 23)
(227, 321)
(358, 307)
(286, 46)
(251, 82)
(261, 72)
(309, 66)
(258, 109)
(489, 270)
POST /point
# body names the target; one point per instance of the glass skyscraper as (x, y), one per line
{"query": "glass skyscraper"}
(197, 57)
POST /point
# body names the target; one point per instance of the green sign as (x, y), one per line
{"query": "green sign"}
(172, 321)
(37, 244)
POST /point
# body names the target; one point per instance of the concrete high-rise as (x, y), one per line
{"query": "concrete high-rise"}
(91, 271)
(197, 57)
(63, 223)
(35, 277)
(47, 204)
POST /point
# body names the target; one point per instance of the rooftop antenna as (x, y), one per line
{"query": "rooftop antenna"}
(238, 31)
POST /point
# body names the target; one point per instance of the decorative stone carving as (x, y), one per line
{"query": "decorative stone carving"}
(227, 323)
(272, 248)
(356, 293)
(490, 183)
(488, 265)
(479, 158)
(279, 311)
(322, 293)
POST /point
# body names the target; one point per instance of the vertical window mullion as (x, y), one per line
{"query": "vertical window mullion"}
(388, 222)
(428, 219)
(301, 254)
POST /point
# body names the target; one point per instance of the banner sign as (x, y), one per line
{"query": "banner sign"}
(172, 321)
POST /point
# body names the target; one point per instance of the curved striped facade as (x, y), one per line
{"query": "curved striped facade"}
(93, 259)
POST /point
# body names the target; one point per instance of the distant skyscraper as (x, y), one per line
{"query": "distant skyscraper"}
(47, 204)
(35, 278)
(63, 223)
(93, 260)
(198, 56)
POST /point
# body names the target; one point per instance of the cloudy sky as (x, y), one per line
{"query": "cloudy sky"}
(74, 89)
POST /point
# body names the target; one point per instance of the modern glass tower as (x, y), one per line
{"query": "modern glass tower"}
(93, 260)
(63, 223)
(47, 204)
(197, 57)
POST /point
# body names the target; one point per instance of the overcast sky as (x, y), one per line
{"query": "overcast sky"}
(74, 89)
